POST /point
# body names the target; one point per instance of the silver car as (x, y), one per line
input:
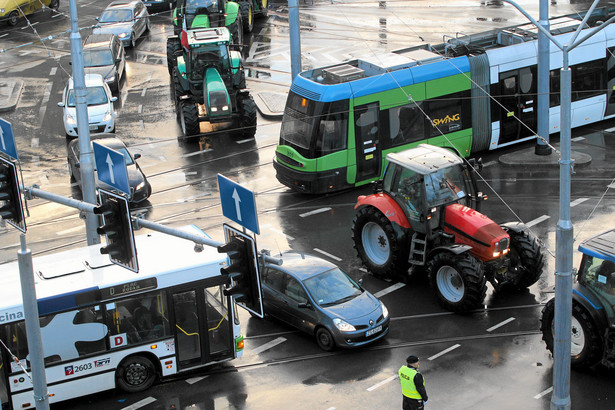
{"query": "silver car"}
(317, 297)
(126, 19)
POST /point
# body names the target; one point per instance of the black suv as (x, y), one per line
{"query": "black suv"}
(104, 54)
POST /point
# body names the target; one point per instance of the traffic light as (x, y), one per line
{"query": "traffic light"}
(11, 209)
(117, 228)
(243, 270)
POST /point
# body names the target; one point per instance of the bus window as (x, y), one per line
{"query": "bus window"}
(218, 328)
(447, 113)
(332, 131)
(14, 338)
(406, 124)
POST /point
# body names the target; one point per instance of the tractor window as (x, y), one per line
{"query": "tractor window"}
(445, 185)
(598, 274)
(408, 192)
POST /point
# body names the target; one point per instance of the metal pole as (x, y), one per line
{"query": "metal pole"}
(295, 40)
(541, 147)
(33, 330)
(86, 157)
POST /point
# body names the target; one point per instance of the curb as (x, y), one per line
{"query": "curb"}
(528, 157)
(10, 93)
(270, 104)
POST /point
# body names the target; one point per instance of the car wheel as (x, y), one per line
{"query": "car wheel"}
(70, 172)
(147, 26)
(325, 339)
(12, 18)
(54, 4)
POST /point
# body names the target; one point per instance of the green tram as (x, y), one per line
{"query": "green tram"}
(469, 94)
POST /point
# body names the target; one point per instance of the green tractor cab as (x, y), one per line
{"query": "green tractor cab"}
(593, 306)
(209, 84)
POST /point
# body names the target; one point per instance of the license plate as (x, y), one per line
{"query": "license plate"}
(373, 331)
(93, 127)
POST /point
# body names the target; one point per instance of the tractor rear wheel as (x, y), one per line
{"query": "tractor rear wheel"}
(264, 10)
(236, 30)
(247, 110)
(525, 259)
(247, 13)
(173, 49)
(458, 280)
(586, 345)
(383, 253)
(189, 118)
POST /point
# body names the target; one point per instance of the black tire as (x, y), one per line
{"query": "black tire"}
(174, 47)
(325, 339)
(264, 9)
(247, 110)
(135, 374)
(247, 15)
(458, 281)
(176, 88)
(189, 118)
(586, 344)
(526, 259)
(236, 30)
(13, 18)
(70, 172)
(54, 4)
(385, 257)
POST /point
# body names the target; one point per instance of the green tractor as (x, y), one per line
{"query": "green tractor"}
(593, 306)
(209, 84)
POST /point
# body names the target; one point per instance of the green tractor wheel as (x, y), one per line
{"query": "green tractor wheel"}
(247, 109)
(236, 29)
(189, 118)
(264, 9)
(174, 48)
(247, 13)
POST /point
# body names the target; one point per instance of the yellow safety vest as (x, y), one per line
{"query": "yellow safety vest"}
(406, 377)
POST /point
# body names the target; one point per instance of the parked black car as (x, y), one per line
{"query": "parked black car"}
(104, 54)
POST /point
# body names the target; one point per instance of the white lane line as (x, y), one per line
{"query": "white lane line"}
(382, 383)
(489, 163)
(196, 153)
(268, 345)
(34, 142)
(282, 233)
(610, 129)
(140, 403)
(142, 124)
(140, 109)
(539, 395)
(143, 92)
(56, 15)
(362, 270)
(492, 328)
(193, 380)
(76, 228)
(390, 289)
(331, 408)
(30, 25)
(445, 351)
(43, 109)
(577, 139)
(314, 212)
(578, 201)
(328, 254)
(53, 71)
(149, 76)
(537, 220)
(4, 35)
(244, 141)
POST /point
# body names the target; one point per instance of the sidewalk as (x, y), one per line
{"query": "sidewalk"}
(527, 157)
(10, 92)
(270, 97)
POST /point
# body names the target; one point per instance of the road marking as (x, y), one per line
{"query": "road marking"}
(56, 15)
(577, 139)
(578, 201)
(30, 25)
(193, 380)
(140, 109)
(142, 124)
(489, 163)
(450, 349)
(390, 289)
(53, 71)
(140, 403)
(75, 229)
(143, 92)
(510, 319)
(539, 395)
(34, 142)
(4, 35)
(149, 77)
(244, 141)
(314, 212)
(43, 109)
(282, 233)
(44, 179)
(382, 383)
(537, 220)
(196, 153)
(610, 129)
(328, 254)
(268, 345)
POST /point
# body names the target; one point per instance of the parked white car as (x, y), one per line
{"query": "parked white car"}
(101, 115)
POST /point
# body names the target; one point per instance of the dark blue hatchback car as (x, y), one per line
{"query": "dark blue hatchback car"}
(317, 297)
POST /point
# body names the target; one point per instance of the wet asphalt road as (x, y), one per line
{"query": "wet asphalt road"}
(469, 362)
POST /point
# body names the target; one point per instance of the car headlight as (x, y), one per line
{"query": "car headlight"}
(70, 120)
(2, 10)
(107, 116)
(385, 311)
(343, 326)
(124, 35)
(140, 186)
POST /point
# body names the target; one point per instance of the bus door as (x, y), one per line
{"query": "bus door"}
(202, 326)
(367, 144)
(519, 100)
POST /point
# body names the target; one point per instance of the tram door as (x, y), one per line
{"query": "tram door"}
(367, 144)
(610, 85)
(519, 100)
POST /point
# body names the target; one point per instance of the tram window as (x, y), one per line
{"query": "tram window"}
(554, 90)
(587, 80)
(332, 131)
(406, 124)
(447, 113)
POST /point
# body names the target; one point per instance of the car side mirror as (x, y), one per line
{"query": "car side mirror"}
(77, 165)
(361, 282)
(304, 305)
(61, 104)
(113, 99)
(137, 156)
(97, 18)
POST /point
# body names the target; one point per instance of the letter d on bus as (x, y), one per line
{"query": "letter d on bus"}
(118, 340)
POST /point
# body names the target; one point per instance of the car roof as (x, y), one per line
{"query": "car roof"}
(122, 4)
(91, 80)
(108, 140)
(302, 265)
(98, 40)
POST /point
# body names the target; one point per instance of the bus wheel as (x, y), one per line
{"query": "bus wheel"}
(135, 374)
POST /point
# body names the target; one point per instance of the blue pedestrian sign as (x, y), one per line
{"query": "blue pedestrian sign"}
(111, 168)
(7, 139)
(238, 204)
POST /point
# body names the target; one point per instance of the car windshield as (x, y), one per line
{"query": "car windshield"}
(127, 157)
(116, 16)
(97, 58)
(332, 288)
(94, 95)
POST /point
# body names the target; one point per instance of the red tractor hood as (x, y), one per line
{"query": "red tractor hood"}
(472, 228)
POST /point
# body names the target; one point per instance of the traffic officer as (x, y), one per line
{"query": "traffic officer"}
(412, 385)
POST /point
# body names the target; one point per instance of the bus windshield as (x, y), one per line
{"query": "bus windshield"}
(313, 128)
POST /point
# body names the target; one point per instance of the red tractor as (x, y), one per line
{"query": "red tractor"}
(425, 215)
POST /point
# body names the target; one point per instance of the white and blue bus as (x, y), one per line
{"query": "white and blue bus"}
(104, 327)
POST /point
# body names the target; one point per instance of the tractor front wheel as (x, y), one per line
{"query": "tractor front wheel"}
(236, 30)
(525, 259)
(382, 252)
(189, 118)
(586, 345)
(247, 13)
(247, 110)
(458, 280)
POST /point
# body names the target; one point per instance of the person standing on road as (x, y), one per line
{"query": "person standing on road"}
(412, 385)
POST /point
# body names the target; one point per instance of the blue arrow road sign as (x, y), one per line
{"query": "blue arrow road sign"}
(238, 204)
(111, 167)
(7, 139)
